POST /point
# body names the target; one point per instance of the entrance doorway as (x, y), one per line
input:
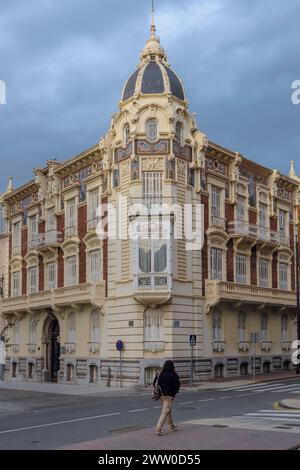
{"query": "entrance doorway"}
(54, 333)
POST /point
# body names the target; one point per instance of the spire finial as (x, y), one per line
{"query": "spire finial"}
(10, 185)
(153, 27)
(292, 170)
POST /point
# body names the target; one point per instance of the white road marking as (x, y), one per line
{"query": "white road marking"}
(207, 399)
(245, 395)
(186, 402)
(251, 387)
(57, 423)
(137, 411)
(224, 398)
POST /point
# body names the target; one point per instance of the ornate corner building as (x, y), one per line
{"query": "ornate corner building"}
(71, 295)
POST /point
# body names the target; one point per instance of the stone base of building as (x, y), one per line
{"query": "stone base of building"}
(88, 370)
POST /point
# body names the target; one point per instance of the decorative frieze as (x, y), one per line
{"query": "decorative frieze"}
(152, 164)
(144, 147)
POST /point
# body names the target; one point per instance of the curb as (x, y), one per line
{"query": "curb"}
(280, 405)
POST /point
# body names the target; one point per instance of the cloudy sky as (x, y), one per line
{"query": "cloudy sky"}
(64, 63)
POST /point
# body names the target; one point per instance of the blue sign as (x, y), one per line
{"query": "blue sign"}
(120, 345)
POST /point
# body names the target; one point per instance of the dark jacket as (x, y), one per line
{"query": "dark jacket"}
(169, 383)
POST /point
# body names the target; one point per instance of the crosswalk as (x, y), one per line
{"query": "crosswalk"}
(274, 387)
(276, 415)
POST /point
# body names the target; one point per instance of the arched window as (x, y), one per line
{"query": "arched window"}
(95, 327)
(72, 328)
(151, 130)
(32, 331)
(284, 328)
(153, 324)
(263, 326)
(242, 320)
(126, 135)
(217, 325)
(16, 333)
(179, 132)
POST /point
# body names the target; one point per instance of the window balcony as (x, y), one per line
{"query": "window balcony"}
(266, 346)
(31, 348)
(217, 222)
(33, 243)
(51, 237)
(16, 251)
(286, 345)
(241, 228)
(218, 346)
(223, 291)
(92, 224)
(81, 294)
(284, 240)
(70, 348)
(71, 232)
(152, 288)
(154, 346)
(244, 346)
(94, 346)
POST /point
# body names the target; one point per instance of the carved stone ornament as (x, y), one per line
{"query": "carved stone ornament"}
(181, 167)
(124, 168)
(152, 164)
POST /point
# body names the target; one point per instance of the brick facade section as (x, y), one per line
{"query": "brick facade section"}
(275, 271)
(253, 267)
(60, 268)
(82, 221)
(273, 223)
(41, 274)
(230, 261)
(229, 212)
(252, 217)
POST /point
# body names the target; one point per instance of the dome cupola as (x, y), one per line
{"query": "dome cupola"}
(153, 75)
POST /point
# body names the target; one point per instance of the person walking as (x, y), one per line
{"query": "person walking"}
(168, 385)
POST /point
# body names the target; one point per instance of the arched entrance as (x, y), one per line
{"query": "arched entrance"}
(52, 349)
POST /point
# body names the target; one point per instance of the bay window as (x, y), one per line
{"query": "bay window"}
(216, 264)
(241, 269)
(263, 272)
(33, 280)
(71, 271)
(152, 256)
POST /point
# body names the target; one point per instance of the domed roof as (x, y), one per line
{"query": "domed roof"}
(153, 75)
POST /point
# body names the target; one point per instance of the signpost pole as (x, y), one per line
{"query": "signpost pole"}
(120, 369)
(191, 367)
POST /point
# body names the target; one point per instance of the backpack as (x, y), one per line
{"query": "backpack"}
(157, 390)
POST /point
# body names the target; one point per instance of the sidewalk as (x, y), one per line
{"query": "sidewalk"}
(192, 436)
(95, 389)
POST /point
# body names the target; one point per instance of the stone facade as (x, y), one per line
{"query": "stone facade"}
(73, 295)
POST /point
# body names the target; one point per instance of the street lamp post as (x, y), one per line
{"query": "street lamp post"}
(2, 341)
(298, 297)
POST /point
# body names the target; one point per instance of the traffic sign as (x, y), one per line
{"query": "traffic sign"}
(119, 345)
(193, 340)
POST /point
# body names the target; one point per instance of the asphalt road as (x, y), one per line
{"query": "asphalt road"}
(38, 421)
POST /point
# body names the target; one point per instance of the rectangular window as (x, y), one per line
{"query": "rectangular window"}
(33, 228)
(16, 284)
(93, 204)
(51, 276)
(16, 235)
(153, 186)
(71, 214)
(263, 215)
(241, 208)
(241, 269)
(216, 201)
(94, 266)
(32, 280)
(216, 264)
(71, 271)
(51, 222)
(3, 225)
(283, 276)
(263, 267)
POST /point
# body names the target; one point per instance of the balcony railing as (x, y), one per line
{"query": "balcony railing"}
(217, 291)
(154, 346)
(16, 251)
(71, 232)
(153, 281)
(217, 222)
(218, 346)
(92, 224)
(78, 295)
(33, 242)
(243, 228)
(51, 237)
(94, 346)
